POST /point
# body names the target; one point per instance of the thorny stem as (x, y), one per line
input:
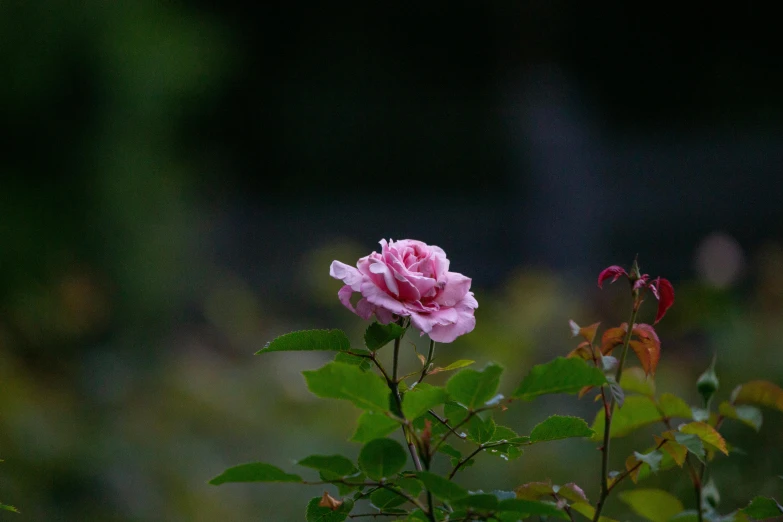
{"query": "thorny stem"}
(445, 422)
(464, 421)
(609, 413)
(407, 430)
(426, 367)
(627, 473)
(394, 384)
(696, 478)
(464, 460)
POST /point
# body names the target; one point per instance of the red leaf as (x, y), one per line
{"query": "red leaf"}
(664, 292)
(613, 271)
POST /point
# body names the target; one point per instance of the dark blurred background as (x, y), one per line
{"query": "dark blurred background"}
(177, 177)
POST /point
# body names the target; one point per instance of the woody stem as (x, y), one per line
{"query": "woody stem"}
(608, 415)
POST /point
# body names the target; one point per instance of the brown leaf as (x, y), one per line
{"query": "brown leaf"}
(583, 351)
(587, 332)
(584, 391)
(763, 393)
(534, 490)
(330, 502)
(572, 492)
(630, 463)
(647, 348)
(677, 451)
(612, 338)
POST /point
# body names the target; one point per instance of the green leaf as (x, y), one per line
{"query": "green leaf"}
(673, 406)
(456, 365)
(254, 472)
(481, 430)
(411, 485)
(309, 340)
(747, 414)
(690, 515)
(441, 487)
(381, 458)
(655, 505)
(634, 380)
(763, 393)
(473, 388)
(417, 515)
(652, 459)
(707, 434)
(532, 508)
(667, 462)
(348, 358)
(379, 335)
(451, 451)
(6, 507)
(423, 397)
(638, 411)
(343, 488)
(507, 434)
(763, 507)
(478, 501)
(588, 511)
(559, 376)
(335, 464)
(373, 425)
(692, 443)
(344, 381)
(385, 499)
(510, 450)
(560, 427)
(455, 413)
(316, 513)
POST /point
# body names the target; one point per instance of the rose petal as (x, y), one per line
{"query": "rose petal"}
(365, 309)
(465, 322)
(427, 321)
(457, 285)
(383, 315)
(378, 267)
(347, 274)
(380, 298)
(613, 271)
(344, 295)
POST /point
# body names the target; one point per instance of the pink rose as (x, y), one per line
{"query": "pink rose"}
(410, 279)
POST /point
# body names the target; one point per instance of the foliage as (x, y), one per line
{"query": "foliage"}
(398, 480)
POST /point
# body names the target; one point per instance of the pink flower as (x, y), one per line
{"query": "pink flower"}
(410, 279)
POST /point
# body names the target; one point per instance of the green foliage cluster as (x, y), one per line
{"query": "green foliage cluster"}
(454, 424)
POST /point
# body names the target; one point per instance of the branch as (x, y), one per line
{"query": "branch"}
(430, 356)
(464, 460)
(464, 421)
(609, 412)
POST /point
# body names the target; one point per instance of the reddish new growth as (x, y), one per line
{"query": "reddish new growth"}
(661, 288)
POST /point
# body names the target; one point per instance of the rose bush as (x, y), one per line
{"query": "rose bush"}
(410, 279)
(445, 428)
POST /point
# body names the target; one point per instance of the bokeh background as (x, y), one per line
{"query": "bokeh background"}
(177, 177)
